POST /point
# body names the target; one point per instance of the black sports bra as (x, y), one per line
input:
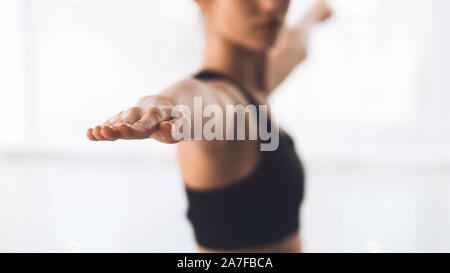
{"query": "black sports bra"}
(260, 209)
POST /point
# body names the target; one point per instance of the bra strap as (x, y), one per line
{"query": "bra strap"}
(214, 75)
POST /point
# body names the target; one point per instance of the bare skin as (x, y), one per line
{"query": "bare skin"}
(247, 41)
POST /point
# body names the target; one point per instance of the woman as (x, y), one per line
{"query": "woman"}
(241, 199)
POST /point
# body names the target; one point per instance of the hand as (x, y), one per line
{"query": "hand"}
(299, 35)
(138, 122)
(321, 11)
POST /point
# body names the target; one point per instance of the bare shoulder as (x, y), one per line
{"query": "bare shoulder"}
(210, 164)
(217, 92)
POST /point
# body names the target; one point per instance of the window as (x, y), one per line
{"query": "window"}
(69, 64)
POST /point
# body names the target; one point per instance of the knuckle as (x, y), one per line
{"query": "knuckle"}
(154, 112)
(133, 111)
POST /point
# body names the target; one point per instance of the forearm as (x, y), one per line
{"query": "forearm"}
(154, 116)
(183, 93)
(291, 50)
(292, 46)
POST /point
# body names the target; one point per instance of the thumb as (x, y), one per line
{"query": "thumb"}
(174, 130)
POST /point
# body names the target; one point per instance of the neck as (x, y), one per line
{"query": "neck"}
(245, 66)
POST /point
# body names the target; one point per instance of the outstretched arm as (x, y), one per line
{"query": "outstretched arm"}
(292, 46)
(151, 117)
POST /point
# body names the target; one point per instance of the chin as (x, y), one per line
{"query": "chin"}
(265, 40)
(262, 45)
(259, 42)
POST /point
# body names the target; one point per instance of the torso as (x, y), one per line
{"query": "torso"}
(222, 173)
(233, 162)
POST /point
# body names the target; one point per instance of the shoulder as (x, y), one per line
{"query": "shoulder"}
(224, 91)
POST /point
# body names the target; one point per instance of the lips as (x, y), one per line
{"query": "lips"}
(269, 25)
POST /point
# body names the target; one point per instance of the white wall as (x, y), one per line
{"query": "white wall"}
(368, 110)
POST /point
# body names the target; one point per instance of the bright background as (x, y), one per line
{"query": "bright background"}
(368, 109)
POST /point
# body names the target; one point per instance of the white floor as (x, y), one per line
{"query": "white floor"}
(70, 203)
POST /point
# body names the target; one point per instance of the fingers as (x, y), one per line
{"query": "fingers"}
(134, 123)
(318, 13)
(90, 135)
(170, 131)
(98, 133)
(145, 127)
(130, 116)
(103, 133)
(110, 133)
(323, 11)
(109, 130)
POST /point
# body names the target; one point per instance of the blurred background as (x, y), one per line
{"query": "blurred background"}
(368, 109)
